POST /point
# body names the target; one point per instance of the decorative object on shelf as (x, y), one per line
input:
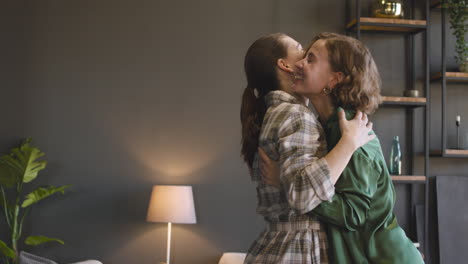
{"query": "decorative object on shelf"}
(463, 67)
(411, 93)
(395, 157)
(387, 9)
(19, 167)
(171, 204)
(458, 12)
(457, 123)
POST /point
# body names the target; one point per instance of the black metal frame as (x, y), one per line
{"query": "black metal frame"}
(427, 124)
(410, 106)
(444, 79)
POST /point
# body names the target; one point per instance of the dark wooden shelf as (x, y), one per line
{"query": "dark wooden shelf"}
(403, 101)
(457, 152)
(461, 77)
(451, 153)
(409, 179)
(389, 24)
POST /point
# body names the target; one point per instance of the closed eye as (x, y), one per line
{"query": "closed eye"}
(311, 57)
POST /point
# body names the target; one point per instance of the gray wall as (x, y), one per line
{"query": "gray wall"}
(122, 95)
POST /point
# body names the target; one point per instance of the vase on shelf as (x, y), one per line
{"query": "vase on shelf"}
(395, 157)
(458, 16)
(463, 67)
(387, 9)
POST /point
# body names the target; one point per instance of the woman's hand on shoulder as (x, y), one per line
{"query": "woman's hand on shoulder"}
(357, 130)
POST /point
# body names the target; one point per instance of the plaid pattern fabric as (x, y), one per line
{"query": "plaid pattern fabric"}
(293, 244)
(292, 135)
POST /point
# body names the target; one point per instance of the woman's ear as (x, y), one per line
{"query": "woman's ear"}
(337, 77)
(284, 65)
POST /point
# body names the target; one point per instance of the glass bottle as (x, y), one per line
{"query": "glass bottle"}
(395, 157)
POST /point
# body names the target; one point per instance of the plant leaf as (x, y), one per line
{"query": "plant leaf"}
(37, 240)
(42, 193)
(6, 250)
(8, 177)
(458, 11)
(23, 162)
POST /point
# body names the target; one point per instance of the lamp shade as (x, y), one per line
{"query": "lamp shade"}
(171, 204)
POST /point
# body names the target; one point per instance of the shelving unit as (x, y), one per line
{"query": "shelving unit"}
(451, 153)
(387, 24)
(404, 101)
(409, 179)
(407, 27)
(461, 77)
(445, 77)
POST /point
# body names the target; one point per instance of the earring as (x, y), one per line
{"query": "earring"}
(256, 92)
(327, 90)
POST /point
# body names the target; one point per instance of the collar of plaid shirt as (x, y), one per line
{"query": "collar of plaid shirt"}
(277, 97)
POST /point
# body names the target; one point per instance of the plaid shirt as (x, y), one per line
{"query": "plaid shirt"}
(291, 135)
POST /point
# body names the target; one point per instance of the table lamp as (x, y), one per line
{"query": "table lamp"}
(171, 204)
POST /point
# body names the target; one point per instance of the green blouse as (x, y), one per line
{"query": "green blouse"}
(361, 225)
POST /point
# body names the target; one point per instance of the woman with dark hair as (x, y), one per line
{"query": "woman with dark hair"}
(339, 71)
(279, 121)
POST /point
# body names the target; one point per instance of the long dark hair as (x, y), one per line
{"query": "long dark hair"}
(260, 70)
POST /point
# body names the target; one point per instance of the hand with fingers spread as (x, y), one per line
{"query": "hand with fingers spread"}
(269, 169)
(357, 130)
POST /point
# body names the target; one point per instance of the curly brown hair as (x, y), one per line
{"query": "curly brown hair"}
(360, 87)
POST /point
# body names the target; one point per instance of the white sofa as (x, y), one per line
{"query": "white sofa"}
(28, 258)
(232, 258)
(88, 262)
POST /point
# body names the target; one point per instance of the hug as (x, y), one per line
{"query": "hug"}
(322, 183)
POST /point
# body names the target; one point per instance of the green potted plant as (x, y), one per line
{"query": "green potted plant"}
(458, 12)
(17, 169)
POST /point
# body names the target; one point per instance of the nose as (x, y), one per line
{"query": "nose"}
(300, 64)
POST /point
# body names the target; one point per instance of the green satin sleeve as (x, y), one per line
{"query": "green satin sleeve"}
(354, 190)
